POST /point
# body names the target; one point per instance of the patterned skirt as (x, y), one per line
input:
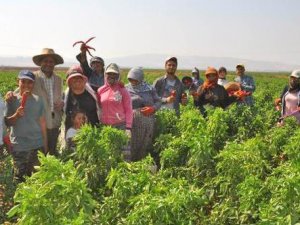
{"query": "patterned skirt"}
(141, 135)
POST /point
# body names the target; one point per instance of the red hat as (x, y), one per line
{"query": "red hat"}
(75, 71)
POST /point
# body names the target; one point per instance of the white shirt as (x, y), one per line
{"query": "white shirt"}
(222, 81)
(71, 133)
(169, 87)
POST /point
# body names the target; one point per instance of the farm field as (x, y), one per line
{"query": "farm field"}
(233, 167)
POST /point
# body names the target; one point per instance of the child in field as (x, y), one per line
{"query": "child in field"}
(222, 76)
(78, 119)
(25, 116)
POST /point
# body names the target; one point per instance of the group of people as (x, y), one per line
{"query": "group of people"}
(95, 95)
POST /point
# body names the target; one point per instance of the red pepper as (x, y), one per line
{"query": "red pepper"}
(85, 46)
(173, 93)
(24, 99)
(147, 111)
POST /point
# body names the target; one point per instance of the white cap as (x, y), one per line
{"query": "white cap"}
(112, 68)
(295, 73)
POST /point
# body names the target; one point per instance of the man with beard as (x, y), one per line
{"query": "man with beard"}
(169, 88)
(290, 97)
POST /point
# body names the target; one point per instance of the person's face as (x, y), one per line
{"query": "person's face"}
(195, 75)
(240, 71)
(222, 74)
(112, 78)
(98, 67)
(170, 67)
(211, 77)
(133, 82)
(25, 85)
(77, 85)
(79, 120)
(294, 81)
(47, 65)
(187, 83)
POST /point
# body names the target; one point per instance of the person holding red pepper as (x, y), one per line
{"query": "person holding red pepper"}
(169, 88)
(26, 116)
(212, 93)
(145, 102)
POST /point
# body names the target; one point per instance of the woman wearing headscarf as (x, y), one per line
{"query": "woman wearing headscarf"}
(290, 97)
(212, 93)
(145, 102)
(80, 96)
(196, 77)
(115, 101)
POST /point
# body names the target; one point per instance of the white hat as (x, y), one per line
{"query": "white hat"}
(112, 68)
(295, 73)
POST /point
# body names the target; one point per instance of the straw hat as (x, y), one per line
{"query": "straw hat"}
(37, 59)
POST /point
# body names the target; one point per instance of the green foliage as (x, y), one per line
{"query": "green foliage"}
(166, 120)
(233, 167)
(55, 194)
(283, 206)
(125, 182)
(7, 186)
(238, 161)
(97, 151)
(139, 196)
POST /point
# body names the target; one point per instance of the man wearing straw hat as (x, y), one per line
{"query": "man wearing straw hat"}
(50, 87)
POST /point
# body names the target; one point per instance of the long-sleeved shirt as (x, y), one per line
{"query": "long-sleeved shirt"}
(116, 105)
(141, 99)
(161, 86)
(247, 84)
(216, 96)
(94, 79)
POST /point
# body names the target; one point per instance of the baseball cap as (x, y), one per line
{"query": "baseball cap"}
(112, 68)
(96, 59)
(171, 58)
(26, 74)
(240, 65)
(295, 73)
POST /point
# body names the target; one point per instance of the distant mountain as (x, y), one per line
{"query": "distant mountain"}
(201, 62)
(157, 61)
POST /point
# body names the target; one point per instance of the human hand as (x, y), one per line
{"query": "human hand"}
(148, 110)
(277, 101)
(184, 99)
(9, 96)
(170, 99)
(83, 48)
(19, 112)
(58, 105)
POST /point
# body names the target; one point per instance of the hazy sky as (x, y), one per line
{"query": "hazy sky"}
(252, 29)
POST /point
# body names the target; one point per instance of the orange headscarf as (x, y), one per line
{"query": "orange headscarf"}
(211, 83)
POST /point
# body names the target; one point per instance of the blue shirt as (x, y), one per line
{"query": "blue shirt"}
(247, 84)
